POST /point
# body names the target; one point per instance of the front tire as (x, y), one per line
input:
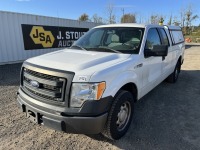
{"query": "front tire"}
(120, 115)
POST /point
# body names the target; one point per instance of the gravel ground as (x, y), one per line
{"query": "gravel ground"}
(166, 118)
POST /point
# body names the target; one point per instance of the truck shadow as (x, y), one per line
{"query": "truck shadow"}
(10, 74)
(191, 45)
(166, 118)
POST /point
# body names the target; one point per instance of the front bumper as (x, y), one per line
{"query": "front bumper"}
(56, 120)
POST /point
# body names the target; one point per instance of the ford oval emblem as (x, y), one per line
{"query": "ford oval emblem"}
(35, 84)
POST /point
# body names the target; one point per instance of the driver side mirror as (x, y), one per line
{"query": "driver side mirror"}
(158, 50)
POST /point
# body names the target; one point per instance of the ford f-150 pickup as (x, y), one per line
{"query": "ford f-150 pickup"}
(92, 86)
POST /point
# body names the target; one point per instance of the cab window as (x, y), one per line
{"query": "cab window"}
(152, 39)
(177, 36)
(164, 36)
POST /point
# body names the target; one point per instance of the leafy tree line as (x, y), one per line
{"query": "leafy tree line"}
(184, 18)
(110, 17)
(126, 18)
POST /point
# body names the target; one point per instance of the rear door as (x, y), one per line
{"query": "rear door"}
(167, 61)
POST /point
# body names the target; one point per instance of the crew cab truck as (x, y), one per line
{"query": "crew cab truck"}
(91, 87)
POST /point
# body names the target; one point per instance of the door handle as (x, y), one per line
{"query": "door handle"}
(138, 66)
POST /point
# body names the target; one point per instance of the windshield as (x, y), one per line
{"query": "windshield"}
(111, 39)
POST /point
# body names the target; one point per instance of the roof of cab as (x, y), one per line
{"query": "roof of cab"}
(136, 25)
(122, 25)
(173, 27)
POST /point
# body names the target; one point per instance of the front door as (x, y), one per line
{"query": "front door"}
(152, 66)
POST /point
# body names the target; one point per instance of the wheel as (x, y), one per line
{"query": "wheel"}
(174, 76)
(120, 116)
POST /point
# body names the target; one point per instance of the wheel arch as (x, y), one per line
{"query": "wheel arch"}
(132, 88)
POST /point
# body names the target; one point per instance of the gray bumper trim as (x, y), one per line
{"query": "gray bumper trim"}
(75, 124)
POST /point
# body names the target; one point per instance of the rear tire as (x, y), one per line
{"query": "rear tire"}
(120, 116)
(174, 76)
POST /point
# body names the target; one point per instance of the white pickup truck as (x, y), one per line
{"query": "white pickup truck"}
(91, 87)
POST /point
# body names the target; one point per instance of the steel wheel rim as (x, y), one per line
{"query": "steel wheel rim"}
(123, 115)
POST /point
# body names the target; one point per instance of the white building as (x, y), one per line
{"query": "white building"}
(24, 35)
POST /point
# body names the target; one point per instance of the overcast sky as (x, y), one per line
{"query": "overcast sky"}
(72, 9)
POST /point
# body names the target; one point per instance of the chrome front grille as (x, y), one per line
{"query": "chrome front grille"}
(46, 87)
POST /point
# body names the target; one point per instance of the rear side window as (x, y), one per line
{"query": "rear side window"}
(177, 36)
(152, 39)
(164, 36)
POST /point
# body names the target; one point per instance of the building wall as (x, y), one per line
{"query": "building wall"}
(11, 38)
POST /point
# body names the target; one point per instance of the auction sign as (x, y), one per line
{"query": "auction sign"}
(41, 37)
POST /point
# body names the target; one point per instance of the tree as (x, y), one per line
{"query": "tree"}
(84, 17)
(154, 19)
(161, 20)
(111, 16)
(128, 18)
(170, 20)
(182, 15)
(189, 17)
(157, 19)
(176, 22)
(97, 19)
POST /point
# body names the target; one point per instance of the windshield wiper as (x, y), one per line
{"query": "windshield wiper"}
(104, 48)
(79, 47)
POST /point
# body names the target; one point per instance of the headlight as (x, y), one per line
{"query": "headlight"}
(86, 91)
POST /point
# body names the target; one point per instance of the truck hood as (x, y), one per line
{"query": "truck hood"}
(86, 62)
